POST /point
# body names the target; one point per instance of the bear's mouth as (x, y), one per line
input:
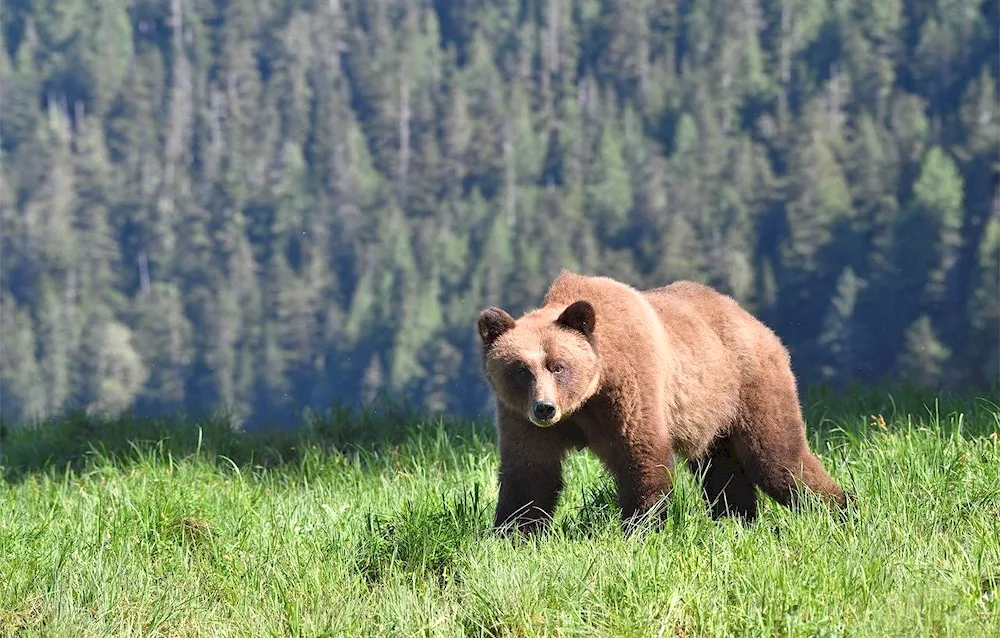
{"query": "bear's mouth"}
(544, 423)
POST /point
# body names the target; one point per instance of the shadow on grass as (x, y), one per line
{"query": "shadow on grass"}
(75, 439)
(69, 442)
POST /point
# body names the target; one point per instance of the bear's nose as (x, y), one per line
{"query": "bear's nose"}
(544, 410)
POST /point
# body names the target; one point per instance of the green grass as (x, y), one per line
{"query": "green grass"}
(179, 528)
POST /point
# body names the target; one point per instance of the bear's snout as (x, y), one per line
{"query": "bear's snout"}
(543, 412)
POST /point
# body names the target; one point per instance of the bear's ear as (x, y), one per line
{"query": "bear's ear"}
(578, 316)
(493, 322)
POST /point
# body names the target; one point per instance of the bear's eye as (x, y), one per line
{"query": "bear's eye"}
(520, 373)
(557, 368)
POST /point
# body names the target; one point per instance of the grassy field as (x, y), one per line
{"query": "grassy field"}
(377, 524)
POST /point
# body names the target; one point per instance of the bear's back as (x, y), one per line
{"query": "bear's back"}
(687, 306)
(722, 353)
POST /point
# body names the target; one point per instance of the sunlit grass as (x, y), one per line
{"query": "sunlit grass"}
(377, 524)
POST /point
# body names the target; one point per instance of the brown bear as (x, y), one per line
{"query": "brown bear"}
(637, 376)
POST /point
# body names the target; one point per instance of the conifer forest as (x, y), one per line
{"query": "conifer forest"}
(272, 205)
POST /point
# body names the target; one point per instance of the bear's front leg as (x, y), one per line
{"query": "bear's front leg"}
(528, 497)
(530, 475)
(642, 473)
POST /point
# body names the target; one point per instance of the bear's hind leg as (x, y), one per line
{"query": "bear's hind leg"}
(784, 477)
(770, 438)
(727, 486)
(778, 455)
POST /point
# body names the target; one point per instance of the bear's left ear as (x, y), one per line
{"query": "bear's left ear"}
(579, 316)
(493, 322)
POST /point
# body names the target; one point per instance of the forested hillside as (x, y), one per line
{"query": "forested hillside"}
(268, 205)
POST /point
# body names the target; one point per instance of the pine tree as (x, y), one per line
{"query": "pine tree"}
(485, 154)
(872, 34)
(983, 342)
(818, 195)
(841, 333)
(21, 381)
(742, 186)
(119, 370)
(46, 226)
(215, 368)
(99, 257)
(912, 132)
(456, 134)
(681, 256)
(57, 335)
(793, 26)
(496, 260)
(978, 158)
(871, 168)
(290, 76)
(421, 321)
(739, 63)
(133, 145)
(527, 146)
(20, 115)
(609, 188)
(102, 52)
(937, 205)
(249, 120)
(924, 359)
(163, 339)
(372, 383)
(441, 363)
(180, 115)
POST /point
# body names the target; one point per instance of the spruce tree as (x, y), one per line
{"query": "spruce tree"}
(924, 359)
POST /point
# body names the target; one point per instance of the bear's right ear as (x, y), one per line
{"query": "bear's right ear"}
(579, 316)
(493, 322)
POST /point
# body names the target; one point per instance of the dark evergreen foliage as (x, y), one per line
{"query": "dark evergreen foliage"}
(268, 206)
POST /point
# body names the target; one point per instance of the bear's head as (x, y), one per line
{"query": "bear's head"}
(544, 365)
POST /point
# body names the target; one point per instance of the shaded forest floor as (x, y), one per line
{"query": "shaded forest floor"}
(377, 523)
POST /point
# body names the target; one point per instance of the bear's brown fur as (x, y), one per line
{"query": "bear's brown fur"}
(637, 377)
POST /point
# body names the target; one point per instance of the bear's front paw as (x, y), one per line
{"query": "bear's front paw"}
(528, 522)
